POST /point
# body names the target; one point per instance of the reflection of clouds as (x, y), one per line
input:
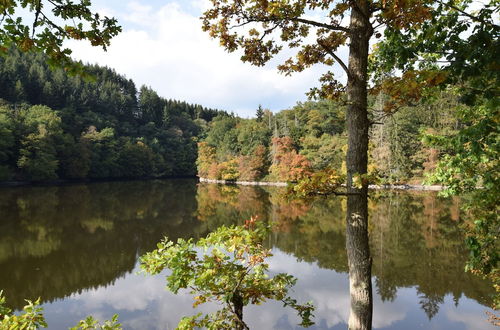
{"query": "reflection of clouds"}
(470, 314)
(142, 302)
(130, 294)
(330, 293)
(387, 313)
(328, 290)
(145, 300)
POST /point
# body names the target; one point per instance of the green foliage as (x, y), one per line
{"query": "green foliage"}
(31, 318)
(92, 324)
(228, 266)
(92, 128)
(324, 151)
(314, 133)
(470, 166)
(47, 34)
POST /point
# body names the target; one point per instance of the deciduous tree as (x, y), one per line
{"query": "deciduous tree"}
(318, 28)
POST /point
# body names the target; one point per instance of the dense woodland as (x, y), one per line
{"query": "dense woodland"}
(98, 125)
(311, 136)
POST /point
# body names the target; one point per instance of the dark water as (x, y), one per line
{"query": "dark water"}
(77, 248)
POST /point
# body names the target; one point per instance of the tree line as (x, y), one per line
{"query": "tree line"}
(291, 144)
(97, 125)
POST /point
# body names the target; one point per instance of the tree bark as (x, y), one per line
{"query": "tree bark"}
(358, 253)
(359, 260)
(237, 303)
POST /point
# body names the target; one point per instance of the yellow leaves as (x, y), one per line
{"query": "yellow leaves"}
(323, 182)
(73, 32)
(340, 9)
(253, 32)
(26, 44)
(255, 260)
(198, 300)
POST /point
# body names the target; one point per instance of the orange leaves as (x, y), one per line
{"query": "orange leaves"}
(323, 182)
(206, 160)
(26, 44)
(253, 167)
(404, 13)
(288, 165)
(74, 33)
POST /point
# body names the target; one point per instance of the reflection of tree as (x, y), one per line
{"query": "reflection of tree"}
(60, 240)
(415, 240)
(228, 204)
(318, 235)
(386, 289)
(430, 304)
(359, 261)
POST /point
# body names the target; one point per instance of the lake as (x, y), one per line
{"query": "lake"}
(77, 248)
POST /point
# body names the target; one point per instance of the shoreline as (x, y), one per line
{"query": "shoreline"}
(414, 187)
(64, 182)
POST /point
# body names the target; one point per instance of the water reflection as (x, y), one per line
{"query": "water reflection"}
(77, 247)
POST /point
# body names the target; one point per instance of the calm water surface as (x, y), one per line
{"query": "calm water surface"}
(77, 248)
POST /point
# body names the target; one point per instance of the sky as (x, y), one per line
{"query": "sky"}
(162, 46)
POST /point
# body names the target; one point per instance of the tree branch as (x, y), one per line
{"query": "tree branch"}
(338, 59)
(318, 24)
(466, 14)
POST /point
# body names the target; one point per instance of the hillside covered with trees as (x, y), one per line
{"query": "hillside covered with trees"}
(311, 137)
(98, 125)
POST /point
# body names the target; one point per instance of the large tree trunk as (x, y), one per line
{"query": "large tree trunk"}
(358, 253)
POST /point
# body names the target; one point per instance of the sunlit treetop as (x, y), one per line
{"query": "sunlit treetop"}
(462, 38)
(44, 25)
(318, 28)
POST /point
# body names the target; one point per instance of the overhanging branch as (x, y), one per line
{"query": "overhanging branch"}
(338, 59)
(322, 25)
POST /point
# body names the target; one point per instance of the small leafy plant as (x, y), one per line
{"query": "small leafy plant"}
(228, 267)
(32, 318)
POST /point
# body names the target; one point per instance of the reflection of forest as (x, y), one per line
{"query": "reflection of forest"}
(55, 241)
(415, 238)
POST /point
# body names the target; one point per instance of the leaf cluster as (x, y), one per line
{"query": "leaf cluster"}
(229, 267)
(45, 34)
(32, 318)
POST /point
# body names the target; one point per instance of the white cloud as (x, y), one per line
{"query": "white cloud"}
(165, 48)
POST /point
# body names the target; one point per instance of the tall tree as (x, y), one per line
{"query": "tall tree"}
(259, 113)
(319, 28)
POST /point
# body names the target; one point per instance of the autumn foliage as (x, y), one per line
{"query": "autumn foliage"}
(288, 165)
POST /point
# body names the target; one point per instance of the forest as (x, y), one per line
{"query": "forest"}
(416, 102)
(55, 125)
(311, 136)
